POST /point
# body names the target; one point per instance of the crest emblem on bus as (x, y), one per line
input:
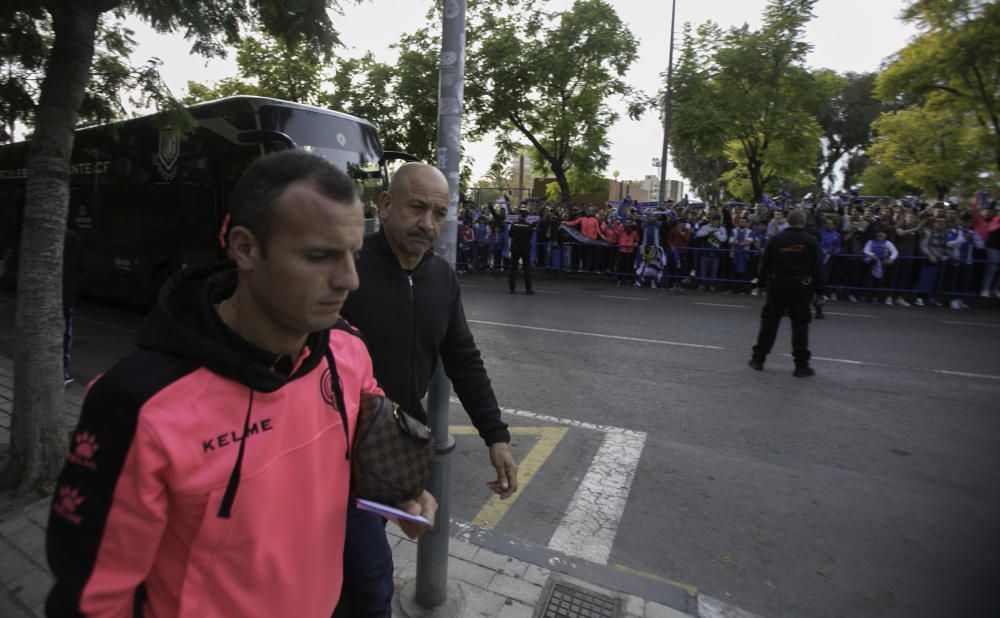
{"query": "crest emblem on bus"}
(169, 152)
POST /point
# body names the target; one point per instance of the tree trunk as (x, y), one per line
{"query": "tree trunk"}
(754, 167)
(38, 439)
(560, 175)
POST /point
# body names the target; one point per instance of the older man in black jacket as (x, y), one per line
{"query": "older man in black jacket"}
(409, 309)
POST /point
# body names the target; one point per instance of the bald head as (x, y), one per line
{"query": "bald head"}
(797, 218)
(414, 173)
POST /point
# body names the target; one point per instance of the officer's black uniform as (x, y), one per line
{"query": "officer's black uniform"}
(790, 268)
(520, 247)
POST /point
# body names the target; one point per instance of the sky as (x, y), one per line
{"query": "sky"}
(847, 35)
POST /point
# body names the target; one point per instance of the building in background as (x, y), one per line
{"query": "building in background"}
(645, 190)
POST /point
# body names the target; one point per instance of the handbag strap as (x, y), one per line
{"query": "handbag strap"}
(338, 393)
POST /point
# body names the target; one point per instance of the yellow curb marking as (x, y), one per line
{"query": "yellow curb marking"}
(548, 437)
(691, 590)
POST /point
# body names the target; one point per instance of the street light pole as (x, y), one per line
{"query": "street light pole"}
(667, 104)
(431, 588)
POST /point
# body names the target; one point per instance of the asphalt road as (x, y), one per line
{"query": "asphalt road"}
(872, 489)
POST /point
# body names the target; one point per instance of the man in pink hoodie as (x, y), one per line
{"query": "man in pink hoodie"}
(210, 470)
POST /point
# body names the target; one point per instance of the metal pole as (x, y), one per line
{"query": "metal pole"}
(432, 548)
(667, 104)
(520, 178)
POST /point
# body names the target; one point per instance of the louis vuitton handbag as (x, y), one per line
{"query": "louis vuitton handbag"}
(391, 454)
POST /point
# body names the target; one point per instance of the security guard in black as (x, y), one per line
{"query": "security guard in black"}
(791, 270)
(520, 249)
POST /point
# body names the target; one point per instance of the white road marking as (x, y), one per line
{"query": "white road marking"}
(622, 297)
(948, 372)
(850, 315)
(619, 337)
(722, 305)
(964, 374)
(836, 360)
(709, 607)
(970, 323)
(590, 524)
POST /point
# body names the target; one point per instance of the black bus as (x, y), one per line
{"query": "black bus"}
(147, 201)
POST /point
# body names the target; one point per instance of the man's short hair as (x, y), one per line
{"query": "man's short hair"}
(252, 202)
(797, 218)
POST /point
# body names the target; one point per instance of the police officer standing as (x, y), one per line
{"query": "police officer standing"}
(520, 248)
(790, 268)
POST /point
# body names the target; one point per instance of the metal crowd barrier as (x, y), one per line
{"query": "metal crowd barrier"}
(735, 270)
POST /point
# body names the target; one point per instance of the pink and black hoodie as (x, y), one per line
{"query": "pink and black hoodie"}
(208, 477)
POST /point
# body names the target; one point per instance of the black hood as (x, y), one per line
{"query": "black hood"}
(184, 324)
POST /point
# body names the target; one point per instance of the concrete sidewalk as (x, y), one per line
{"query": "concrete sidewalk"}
(490, 575)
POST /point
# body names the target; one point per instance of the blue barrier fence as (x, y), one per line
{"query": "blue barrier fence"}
(736, 269)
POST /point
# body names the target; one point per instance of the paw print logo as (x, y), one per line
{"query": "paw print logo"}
(69, 499)
(86, 444)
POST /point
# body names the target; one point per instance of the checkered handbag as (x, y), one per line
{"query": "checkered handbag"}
(392, 452)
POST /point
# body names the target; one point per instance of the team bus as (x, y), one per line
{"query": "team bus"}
(147, 201)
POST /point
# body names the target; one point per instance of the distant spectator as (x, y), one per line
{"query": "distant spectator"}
(73, 267)
(627, 240)
(714, 240)
(740, 242)
(830, 246)
(907, 241)
(961, 241)
(881, 254)
(933, 244)
(987, 225)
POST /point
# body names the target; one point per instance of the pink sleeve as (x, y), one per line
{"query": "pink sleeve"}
(132, 532)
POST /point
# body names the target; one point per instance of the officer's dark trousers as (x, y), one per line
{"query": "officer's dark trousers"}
(793, 299)
(525, 258)
(367, 591)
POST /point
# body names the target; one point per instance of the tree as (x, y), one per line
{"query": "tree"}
(401, 98)
(846, 109)
(37, 438)
(746, 96)
(925, 148)
(548, 77)
(269, 67)
(24, 49)
(954, 63)
(704, 174)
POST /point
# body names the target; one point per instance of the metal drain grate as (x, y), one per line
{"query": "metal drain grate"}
(569, 601)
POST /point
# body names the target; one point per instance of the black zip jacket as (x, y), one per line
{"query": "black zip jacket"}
(792, 255)
(408, 321)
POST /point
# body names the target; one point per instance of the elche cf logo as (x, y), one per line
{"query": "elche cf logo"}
(326, 389)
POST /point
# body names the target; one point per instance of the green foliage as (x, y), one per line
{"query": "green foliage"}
(846, 108)
(25, 41)
(744, 95)
(926, 147)
(401, 98)
(268, 67)
(953, 64)
(547, 77)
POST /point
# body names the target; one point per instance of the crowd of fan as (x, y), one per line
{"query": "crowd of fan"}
(895, 253)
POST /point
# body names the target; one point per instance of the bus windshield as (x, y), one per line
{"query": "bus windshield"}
(350, 145)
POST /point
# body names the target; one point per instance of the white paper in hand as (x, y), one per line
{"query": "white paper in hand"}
(389, 512)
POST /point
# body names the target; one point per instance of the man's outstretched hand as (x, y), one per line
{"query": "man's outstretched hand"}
(503, 460)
